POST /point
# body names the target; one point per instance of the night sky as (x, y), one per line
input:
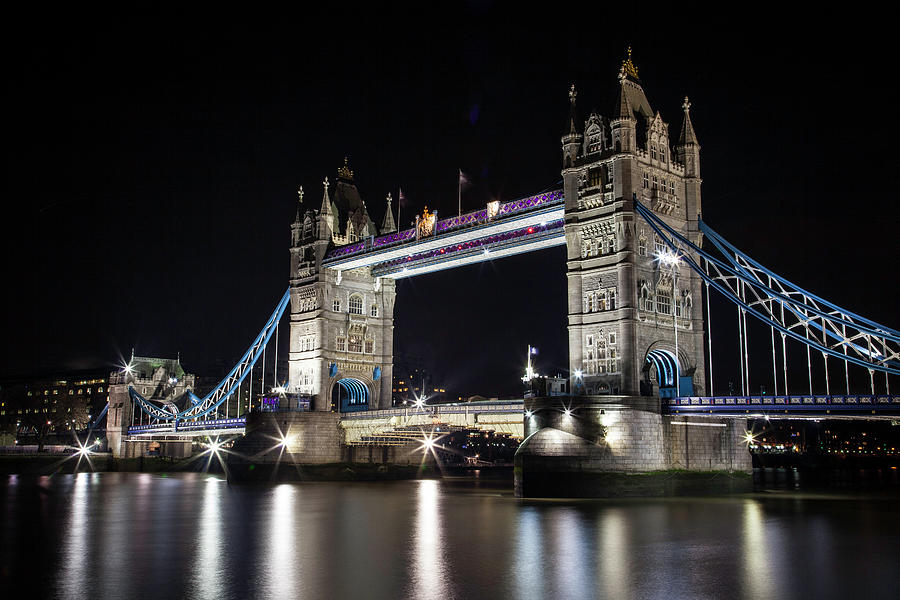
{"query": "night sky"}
(153, 162)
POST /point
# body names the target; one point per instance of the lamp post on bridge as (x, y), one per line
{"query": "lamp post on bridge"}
(672, 260)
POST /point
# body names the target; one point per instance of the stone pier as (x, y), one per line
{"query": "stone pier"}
(597, 446)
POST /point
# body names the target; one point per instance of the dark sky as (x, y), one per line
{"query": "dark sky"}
(153, 162)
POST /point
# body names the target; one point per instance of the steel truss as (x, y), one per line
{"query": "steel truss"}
(201, 407)
(782, 305)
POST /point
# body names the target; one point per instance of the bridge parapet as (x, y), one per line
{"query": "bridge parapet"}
(865, 406)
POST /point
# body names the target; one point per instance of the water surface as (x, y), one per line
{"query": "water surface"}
(131, 535)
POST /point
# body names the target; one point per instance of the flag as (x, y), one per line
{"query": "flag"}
(402, 200)
(463, 180)
(534, 350)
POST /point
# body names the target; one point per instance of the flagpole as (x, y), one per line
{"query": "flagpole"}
(399, 202)
(459, 194)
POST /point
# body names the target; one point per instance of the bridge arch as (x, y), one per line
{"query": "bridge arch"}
(350, 394)
(667, 367)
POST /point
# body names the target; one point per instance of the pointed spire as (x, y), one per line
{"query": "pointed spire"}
(573, 129)
(326, 201)
(687, 128)
(299, 203)
(388, 225)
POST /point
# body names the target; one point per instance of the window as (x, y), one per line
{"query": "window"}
(611, 301)
(672, 187)
(355, 344)
(611, 244)
(373, 312)
(370, 346)
(590, 302)
(596, 178)
(653, 151)
(612, 339)
(336, 305)
(664, 301)
(659, 246)
(341, 344)
(646, 180)
(589, 340)
(355, 305)
(662, 153)
(655, 182)
(71, 392)
(642, 246)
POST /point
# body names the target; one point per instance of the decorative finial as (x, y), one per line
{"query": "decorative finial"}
(572, 94)
(389, 198)
(325, 183)
(345, 172)
(687, 104)
(628, 69)
(300, 194)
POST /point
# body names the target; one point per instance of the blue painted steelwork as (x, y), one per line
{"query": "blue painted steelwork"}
(352, 395)
(820, 406)
(844, 328)
(215, 398)
(666, 365)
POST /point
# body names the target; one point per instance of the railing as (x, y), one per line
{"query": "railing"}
(185, 426)
(435, 410)
(868, 403)
(461, 221)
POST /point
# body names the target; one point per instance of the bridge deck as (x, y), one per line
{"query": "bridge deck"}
(852, 407)
(516, 227)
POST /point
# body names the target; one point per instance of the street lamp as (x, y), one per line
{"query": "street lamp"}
(672, 260)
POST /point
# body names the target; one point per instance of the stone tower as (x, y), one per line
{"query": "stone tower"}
(624, 303)
(342, 323)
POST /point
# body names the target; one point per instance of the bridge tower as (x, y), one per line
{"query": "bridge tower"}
(341, 323)
(623, 302)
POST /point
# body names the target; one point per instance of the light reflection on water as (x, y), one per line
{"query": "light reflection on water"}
(117, 536)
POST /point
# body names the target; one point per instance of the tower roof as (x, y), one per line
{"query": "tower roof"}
(631, 100)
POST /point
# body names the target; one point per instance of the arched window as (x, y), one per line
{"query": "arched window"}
(356, 304)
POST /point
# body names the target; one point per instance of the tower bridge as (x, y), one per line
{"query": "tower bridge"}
(641, 266)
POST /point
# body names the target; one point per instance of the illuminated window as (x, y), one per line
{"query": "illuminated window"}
(71, 392)
(80, 391)
(356, 304)
(29, 392)
(355, 344)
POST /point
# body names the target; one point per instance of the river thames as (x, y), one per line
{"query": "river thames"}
(132, 535)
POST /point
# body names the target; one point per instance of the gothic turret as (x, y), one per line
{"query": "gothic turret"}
(327, 215)
(571, 144)
(688, 149)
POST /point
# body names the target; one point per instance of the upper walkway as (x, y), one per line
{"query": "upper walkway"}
(495, 231)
